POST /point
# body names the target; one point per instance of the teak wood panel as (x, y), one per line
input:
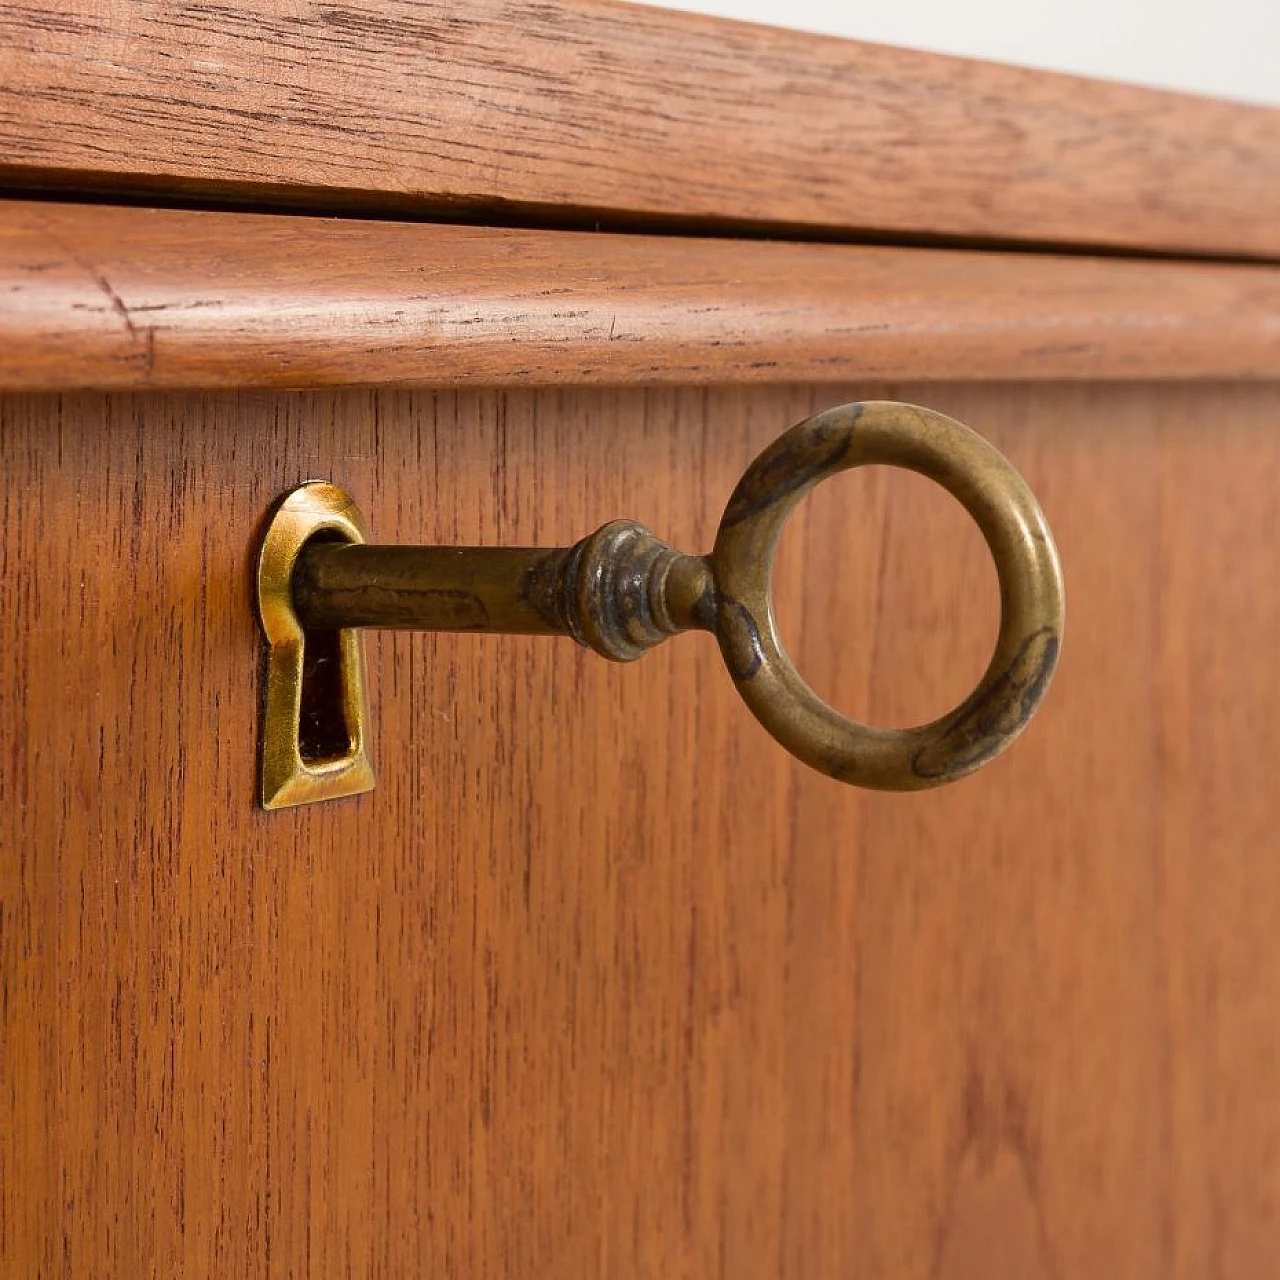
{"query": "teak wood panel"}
(100, 297)
(596, 981)
(580, 110)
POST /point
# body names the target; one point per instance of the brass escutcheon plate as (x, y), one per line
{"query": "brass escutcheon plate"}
(291, 773)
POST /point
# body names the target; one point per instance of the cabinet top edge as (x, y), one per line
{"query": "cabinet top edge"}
(106, 297)
(574, 110)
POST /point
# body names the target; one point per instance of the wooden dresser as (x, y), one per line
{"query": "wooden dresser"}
(597, 981)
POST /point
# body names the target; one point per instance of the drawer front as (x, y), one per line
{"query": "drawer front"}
(597, 981)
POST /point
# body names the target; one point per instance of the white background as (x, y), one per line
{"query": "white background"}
(1226, 48)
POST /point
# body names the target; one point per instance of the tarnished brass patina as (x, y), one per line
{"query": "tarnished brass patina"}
(622, 590)
(314, 714)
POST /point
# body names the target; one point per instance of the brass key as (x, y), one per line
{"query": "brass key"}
(622, 590)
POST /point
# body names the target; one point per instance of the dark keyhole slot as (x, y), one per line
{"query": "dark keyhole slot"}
(323, 732)
(322, 725)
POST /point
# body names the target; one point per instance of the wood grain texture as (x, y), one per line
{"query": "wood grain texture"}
(597, 981)
(584, 109)
(108, 297)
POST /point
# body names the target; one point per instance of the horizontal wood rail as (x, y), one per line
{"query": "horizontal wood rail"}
(574, 109)
(104, 297)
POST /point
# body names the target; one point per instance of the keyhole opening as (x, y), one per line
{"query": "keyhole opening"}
(324, 733)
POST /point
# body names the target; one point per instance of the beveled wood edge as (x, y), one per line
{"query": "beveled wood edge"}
(105, 297)
(574, 109)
